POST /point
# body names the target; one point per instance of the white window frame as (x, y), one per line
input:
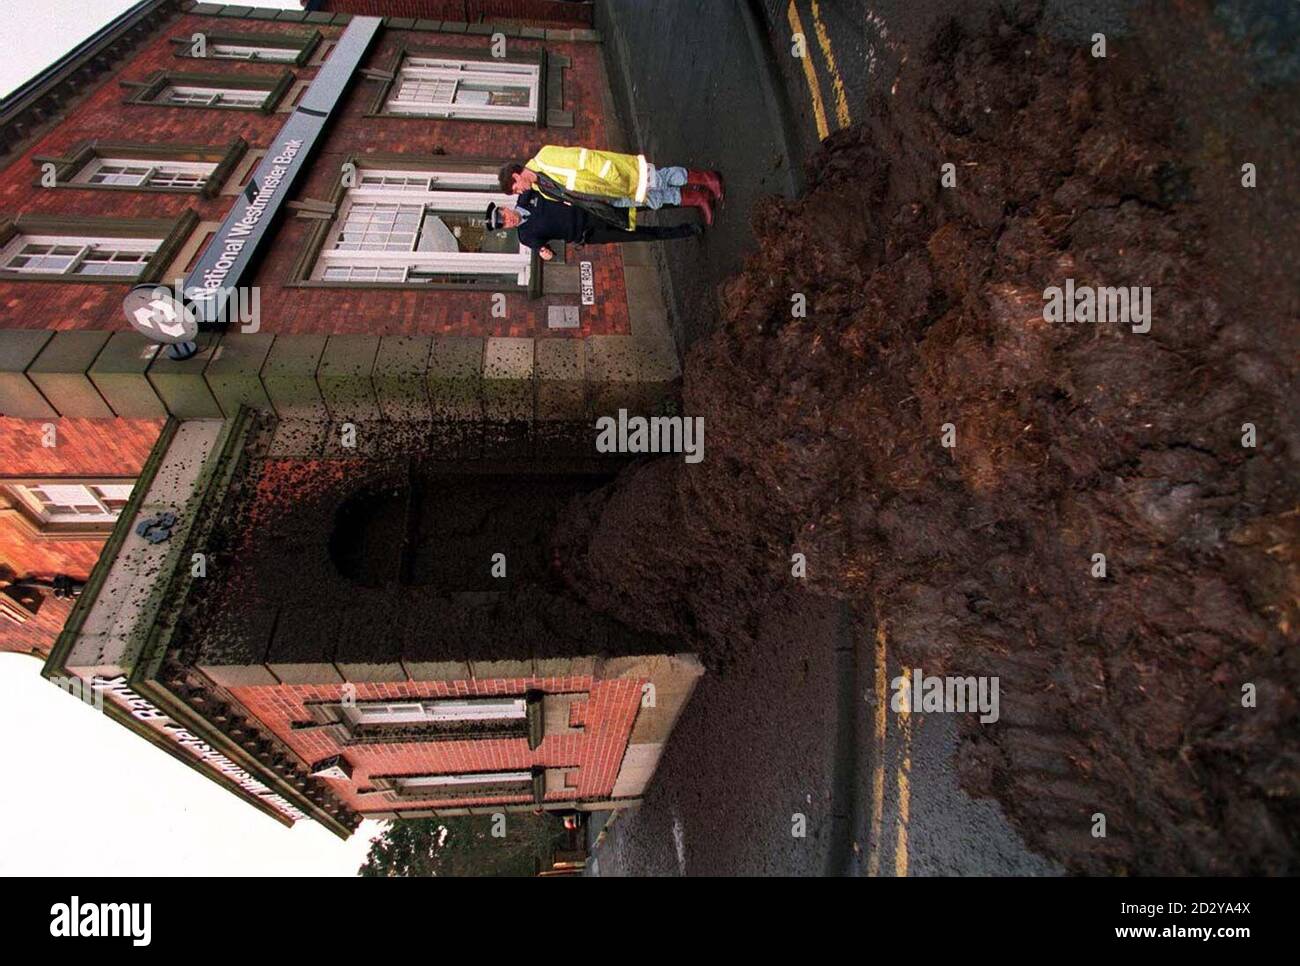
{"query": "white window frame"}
(153, 169)
(203, 96)
(93, 494)
(437, 710)
(86, 245)
(451, 74)
(384, 186)
(453, 781)
(270, 53)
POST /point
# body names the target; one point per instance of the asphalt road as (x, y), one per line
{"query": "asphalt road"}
(750, 764)
(911, 817)
(761, 753)
(689, 81)
(717, 84)
(790, 729)
(854, 48)
(759, 742)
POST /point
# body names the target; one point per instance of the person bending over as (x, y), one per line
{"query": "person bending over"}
(573, 174)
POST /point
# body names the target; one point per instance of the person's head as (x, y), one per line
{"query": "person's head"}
(515, 178)
(498, 217)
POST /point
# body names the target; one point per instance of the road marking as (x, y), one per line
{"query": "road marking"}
(878, 775)
(904, 781)
(814, 85)
(679, 843)
(837, 83)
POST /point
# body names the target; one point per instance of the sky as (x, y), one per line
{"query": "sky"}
(78, 788)
(35, 33)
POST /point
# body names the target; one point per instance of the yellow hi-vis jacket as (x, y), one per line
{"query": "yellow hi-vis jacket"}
(600, 174)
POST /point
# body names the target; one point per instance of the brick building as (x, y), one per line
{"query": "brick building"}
(273, 590)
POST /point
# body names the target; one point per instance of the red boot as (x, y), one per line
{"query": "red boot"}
(707, 179)
(700, 199)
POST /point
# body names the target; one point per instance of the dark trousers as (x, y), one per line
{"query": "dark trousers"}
(603, 236)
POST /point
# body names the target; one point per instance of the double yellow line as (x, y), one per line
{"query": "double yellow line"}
(902, 775)
(810, 70)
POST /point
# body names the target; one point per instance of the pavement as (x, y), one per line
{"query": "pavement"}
(678, 69)
(781, 763)
(747, 785)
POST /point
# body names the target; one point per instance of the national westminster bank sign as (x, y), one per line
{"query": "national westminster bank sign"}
(205, 297)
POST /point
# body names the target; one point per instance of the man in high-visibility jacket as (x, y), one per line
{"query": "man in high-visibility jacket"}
(575, 175)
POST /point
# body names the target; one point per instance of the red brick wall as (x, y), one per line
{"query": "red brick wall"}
(29, 555)
(606, 716)
(51, 305)
(103, 447)
(120, 447)
(296, 310)
(38, 634)
(596, 753)
(85, 447)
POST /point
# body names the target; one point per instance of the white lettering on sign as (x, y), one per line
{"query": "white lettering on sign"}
(145, 710)
(587, 279)
(237, 237)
